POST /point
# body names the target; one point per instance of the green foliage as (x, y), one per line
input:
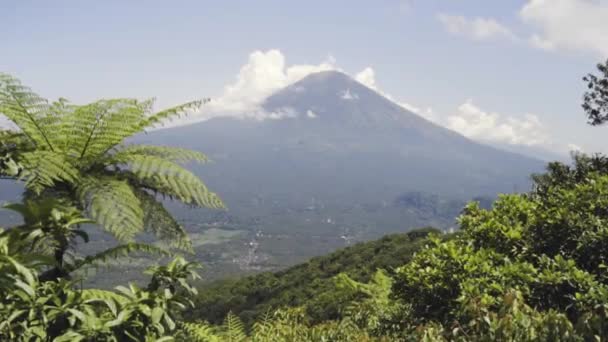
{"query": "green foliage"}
(595, 100)
(530, 268)
(115, 253)
(287, 325)
(372, 308)
(34, 310)
(76, 153)
(542, 254)
(77, 171)
(309, 285)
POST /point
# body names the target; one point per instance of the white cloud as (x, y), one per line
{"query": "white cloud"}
(264, 73)
(473, 122)
(574, 148)
(475, 28)
(538, 42)
(575, 25)
(347, 95)
(310, 114)
(477, 124)
(568, 24)
(267, 72)
(260, 114)
(427, 113)
(367, 77)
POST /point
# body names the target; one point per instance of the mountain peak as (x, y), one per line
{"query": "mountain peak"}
(327, 76)
(333, 96)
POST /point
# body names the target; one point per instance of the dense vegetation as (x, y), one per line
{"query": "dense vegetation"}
(309, 285)
(533, 268)
(530, 268)
(76, 170)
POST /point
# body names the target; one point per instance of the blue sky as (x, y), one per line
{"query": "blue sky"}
(505, 73)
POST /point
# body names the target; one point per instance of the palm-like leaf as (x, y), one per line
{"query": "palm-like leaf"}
(158, 221)
(167, 114)
(174, 154)
(113, 205)
(44, 169)
(170, 179)
(26, 109)
(117, 252)
(76, 152)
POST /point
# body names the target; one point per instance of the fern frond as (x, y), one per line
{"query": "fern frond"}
(94, 129)
(9, 138)
(164, 115)
(113, 205)
(60, 110)
(26, 109)
(234, 331)
(174, 154)
(117, 253)
(161, 223)
(43, 169)
(173, 180)
(198, 332)
(264, 328)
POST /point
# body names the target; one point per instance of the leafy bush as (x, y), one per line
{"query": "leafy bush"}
(35, 310)
(546, 248)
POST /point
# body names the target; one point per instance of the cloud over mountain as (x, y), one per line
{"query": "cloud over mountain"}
(266, 72)
(473, 122)
(263, 74)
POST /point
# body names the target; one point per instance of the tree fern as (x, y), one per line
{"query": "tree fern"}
(170, 179)
(26, 109)
(158, 221)
(162, 116)
(112, 204)
(118, 252)
(169, 153)
(44, 169)
(77, 152)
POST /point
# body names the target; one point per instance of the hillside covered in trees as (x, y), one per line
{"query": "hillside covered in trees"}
(530, 268)
(310, 284)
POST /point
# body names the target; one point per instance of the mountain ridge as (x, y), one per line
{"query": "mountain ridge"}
(363, 138)
(329, 174)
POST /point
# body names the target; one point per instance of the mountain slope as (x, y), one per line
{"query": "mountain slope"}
(326, 167)
(310, 283)
(334, 163)
(341, 138)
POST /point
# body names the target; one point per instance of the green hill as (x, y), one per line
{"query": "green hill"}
(310, 283)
